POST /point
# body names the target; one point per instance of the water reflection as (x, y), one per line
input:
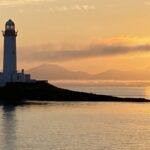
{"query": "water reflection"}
(9, 127)
(80, 126)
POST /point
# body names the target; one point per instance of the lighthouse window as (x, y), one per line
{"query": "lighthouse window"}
(7, 27)
(12, 27)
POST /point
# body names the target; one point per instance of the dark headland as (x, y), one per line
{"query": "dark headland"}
(14, 93)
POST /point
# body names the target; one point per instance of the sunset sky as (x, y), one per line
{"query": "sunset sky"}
(87, 35)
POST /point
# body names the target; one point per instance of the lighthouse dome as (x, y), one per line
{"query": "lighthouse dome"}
(10, 22)
(10, 25)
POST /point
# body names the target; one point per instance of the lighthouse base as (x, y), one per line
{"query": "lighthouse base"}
(14, 77)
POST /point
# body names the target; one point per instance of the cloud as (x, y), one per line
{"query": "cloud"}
(14, 3)
(147, 3)
(89, 52)
(77, 7)
(48, 5)
(21, 2)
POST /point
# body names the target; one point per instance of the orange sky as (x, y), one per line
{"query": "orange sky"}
(48, 29)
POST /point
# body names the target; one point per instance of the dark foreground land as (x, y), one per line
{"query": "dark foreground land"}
(42, 91)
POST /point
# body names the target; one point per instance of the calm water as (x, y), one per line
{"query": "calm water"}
(75, 126)
(121, 91)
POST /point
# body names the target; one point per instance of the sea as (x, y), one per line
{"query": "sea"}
(78, 125)
(119, 91)
(132, 89)
(75, 126)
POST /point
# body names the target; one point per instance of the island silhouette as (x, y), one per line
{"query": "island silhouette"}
(18, 93)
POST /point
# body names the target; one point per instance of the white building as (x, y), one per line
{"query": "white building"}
(10, 73)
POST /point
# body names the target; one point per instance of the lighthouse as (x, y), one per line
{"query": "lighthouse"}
(10, 72)
(10, 61)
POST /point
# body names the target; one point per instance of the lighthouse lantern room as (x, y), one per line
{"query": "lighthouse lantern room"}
(10, 73)
(10, 61)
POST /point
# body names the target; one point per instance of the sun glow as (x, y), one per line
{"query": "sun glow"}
(147, 92)
(123, 40)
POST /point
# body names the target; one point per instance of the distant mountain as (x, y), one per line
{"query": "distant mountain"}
(55, 72)
(123, 75)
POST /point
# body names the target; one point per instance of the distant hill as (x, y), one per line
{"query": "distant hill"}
(56, 72)
(123, 75)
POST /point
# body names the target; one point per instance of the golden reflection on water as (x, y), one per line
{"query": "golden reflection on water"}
(76, 125)
(91, 107)
(147, 92)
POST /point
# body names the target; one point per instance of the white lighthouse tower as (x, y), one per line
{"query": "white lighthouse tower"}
(10, 61)
(10, 73)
